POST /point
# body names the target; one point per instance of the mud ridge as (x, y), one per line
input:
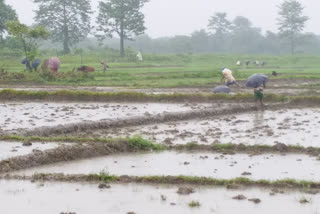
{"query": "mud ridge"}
(169, 180)
(64, 153)
(153, 119)
(247, 149)
(144, 120)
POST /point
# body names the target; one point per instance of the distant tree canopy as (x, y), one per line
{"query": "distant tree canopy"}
(121, 21)
(67, 20)
(220, 26)
(219, 23)
(291, 21)
(121, 17)
(6, 14)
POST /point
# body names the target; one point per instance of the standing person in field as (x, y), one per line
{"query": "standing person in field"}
(228, 77)
(258, 96)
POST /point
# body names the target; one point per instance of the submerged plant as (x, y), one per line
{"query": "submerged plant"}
(194, 204)
(304, 200)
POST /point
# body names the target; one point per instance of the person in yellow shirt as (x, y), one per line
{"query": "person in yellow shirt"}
(228, 77)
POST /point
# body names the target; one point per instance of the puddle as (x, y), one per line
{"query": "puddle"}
(9, 149)
(292, 127)
(270, 166)
(31, 115)
(53, 198)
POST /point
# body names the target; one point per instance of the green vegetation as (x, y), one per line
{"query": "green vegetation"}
(114, 11)
(139, 143)
(68, 21)
(191, 145)
(206, 181)
(135, 143)
(102, 176)
(193, 204)
(28, 37)
(175, 70)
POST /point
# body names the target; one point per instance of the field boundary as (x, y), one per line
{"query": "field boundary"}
(235, 183)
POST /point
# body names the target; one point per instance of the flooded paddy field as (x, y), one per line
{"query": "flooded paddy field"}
(189, 123)
(12, 149)
(202, 164)
(28, 115)
(53, 198)
(288, 126)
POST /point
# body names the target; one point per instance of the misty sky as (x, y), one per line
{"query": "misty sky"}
(182, 17)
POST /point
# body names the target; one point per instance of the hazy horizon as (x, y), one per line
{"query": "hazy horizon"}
(182, 17)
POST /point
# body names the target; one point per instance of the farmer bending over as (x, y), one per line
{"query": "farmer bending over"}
(228, 77)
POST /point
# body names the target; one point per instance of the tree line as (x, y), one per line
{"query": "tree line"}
(69, 22)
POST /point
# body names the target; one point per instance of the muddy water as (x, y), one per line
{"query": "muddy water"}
(52, 198)
(31, 115)
(9, 149)
(269, 166)
(292, 127)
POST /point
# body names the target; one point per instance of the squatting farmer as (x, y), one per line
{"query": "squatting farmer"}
(228, 77)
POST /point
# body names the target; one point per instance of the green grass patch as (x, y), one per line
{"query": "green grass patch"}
(159, 70)
(67, 95)
(136, 142)
(139, 143)
(182, 180)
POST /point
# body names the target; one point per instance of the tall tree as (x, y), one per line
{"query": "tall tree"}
(121, 17)
(219, 23)
(6, 14)
(220, 26)
(67, 20)
(291, 21)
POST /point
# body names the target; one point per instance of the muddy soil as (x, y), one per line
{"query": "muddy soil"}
(53, 198)
(10, 149)
(77, 128)
(291, 127)
(64, 153)
(282, 86)
(202, 164)
(28, 115)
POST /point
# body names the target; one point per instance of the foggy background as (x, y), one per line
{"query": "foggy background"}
(182, 17)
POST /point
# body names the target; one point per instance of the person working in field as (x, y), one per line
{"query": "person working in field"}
(228, 77)
(258, 96)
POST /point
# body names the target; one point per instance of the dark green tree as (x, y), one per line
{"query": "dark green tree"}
(291, 21)
(6, 14)
(67, 20)
(121, 17)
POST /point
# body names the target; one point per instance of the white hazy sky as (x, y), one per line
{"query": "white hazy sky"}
(182, 17)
